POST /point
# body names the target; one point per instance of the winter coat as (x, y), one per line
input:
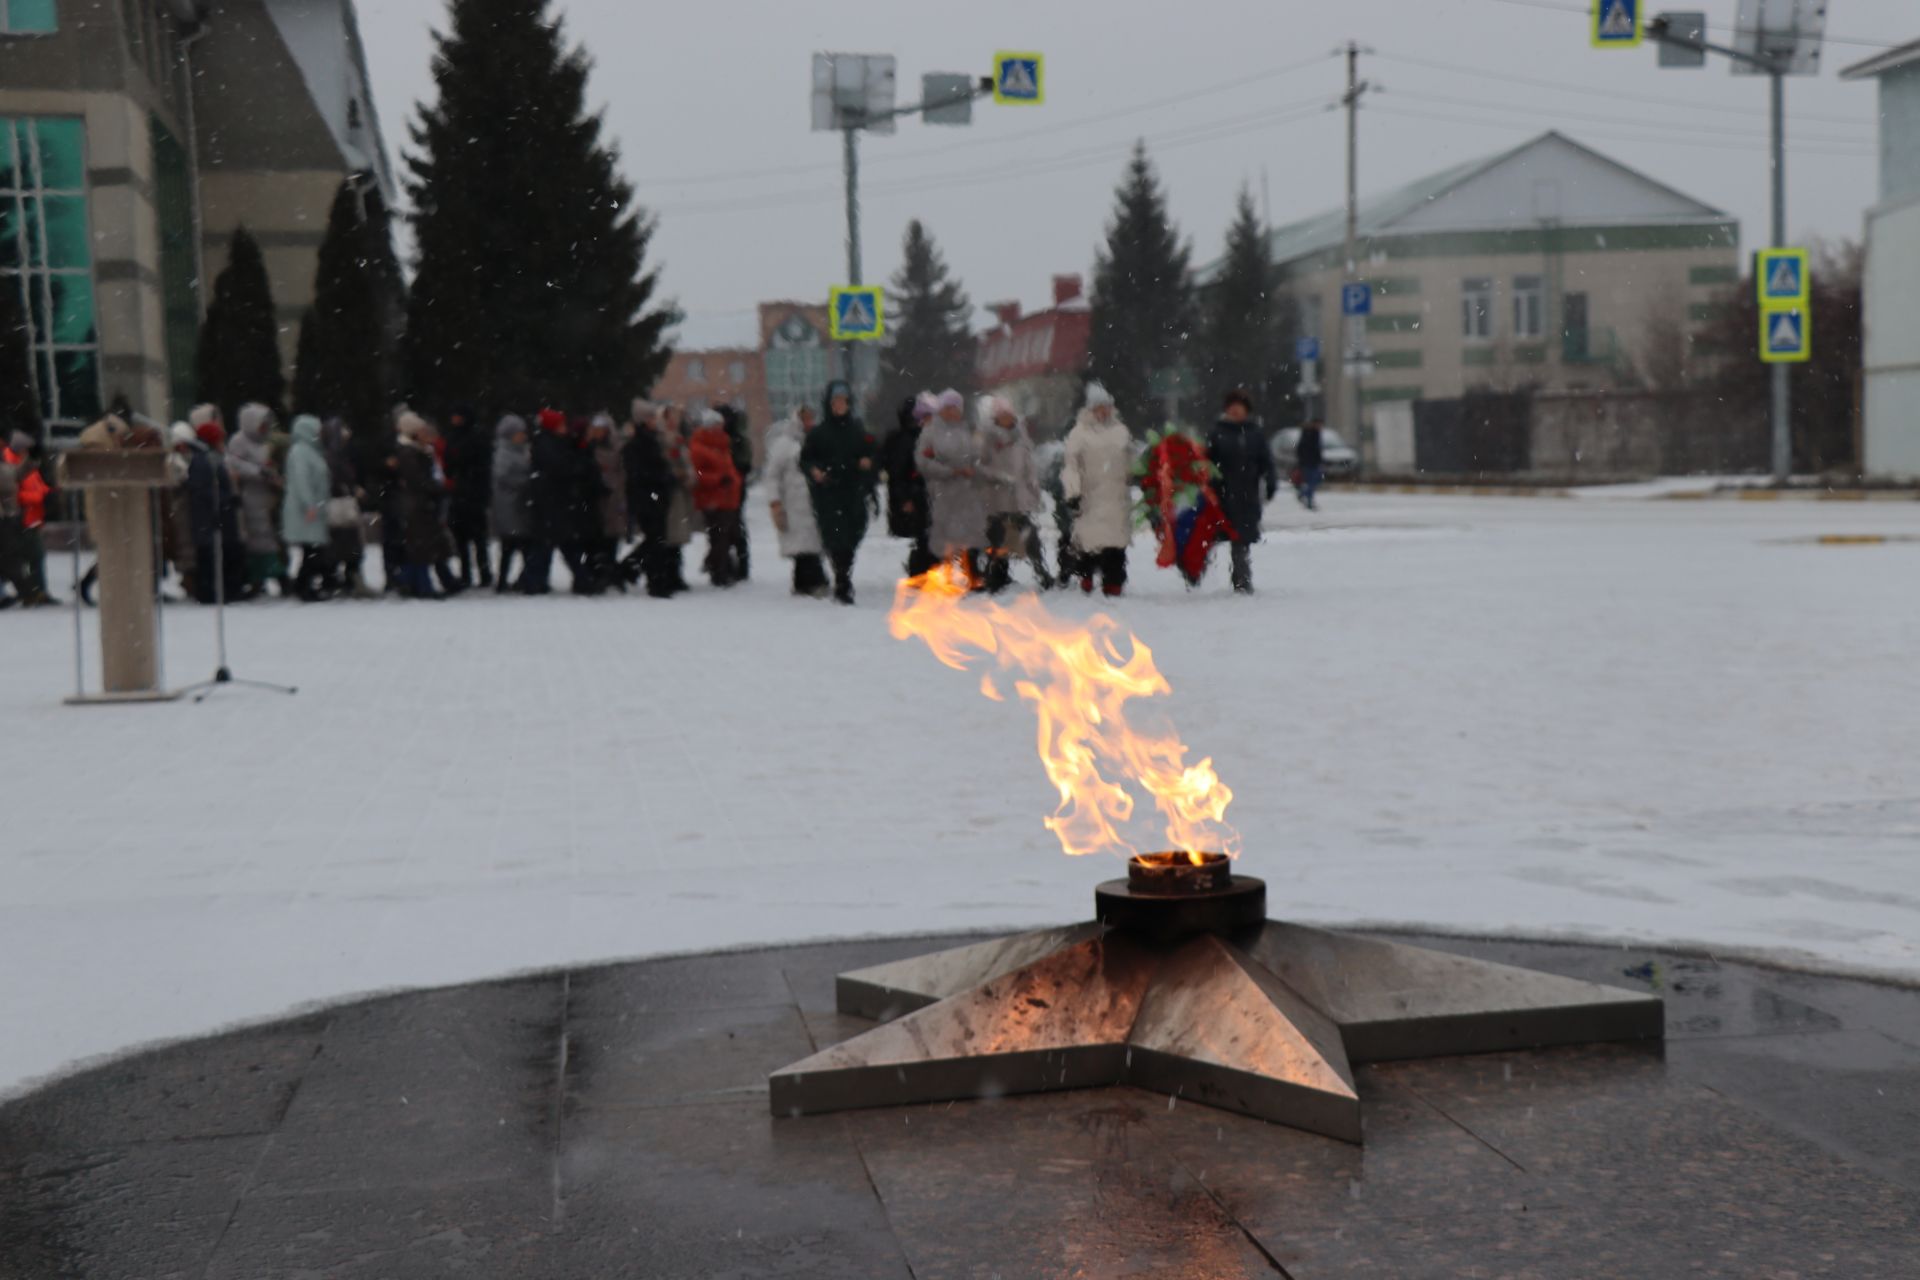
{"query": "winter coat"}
(677, 527)
(787, 485)
(512, 470)
(649, 483)
(906, 488)
(716, 485)
(337, 449)
(556, 484)
(951, 461)
(469, 463)
(1310, 449)
(1013, 485)
(421, 488)
(303, 509)
(1245, 477)
(612, 507)
(212, 510)
(841, 449)
(33, 488)
(1098, 471)
(249, 458)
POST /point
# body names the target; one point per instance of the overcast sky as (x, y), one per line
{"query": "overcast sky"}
(708, 103)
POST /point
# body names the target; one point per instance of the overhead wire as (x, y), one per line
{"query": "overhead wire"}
(1755, 135)
(1675, 140)
(1731, 28)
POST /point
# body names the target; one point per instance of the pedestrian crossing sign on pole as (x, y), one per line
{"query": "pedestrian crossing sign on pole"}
(1017, 78)
(856, 313)
(1785, 336)
(1616, 24)
(1783, 277)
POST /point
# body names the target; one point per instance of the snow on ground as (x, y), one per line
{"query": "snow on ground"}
(1647, 720)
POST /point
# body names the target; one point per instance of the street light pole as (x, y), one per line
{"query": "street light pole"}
(1353, 341)
(850, 158)
(1782, 383)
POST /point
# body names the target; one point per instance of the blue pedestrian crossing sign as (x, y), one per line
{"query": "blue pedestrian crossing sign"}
(1784, 336)
(856, 313)
(1356, 300)
(1306, 350)
(1782, 274)
(1616, 24)
(1018, 78)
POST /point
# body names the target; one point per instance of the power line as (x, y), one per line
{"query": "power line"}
(1560, 6)
(1507, 122)
(1614, 95)
(1758, 135)
(1063, 126)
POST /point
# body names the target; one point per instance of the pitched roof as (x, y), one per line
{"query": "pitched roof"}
(1881, 63)
(1382, 214)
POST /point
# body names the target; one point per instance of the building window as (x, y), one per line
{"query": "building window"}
(28, 17)
(736, 373)
(46, 253)
(797, 365)
(1529, 306)
(696, 370)
(1476, 308)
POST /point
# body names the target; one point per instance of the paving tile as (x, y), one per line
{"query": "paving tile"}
(150, 1210)
(725, 980)
(720, 1190)
(810, 971)
(662, 1057)
(1074, 1184)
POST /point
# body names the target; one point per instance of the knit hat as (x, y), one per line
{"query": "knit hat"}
(925, 406)
(552, 421)
(1098, 395)
(211, 434)
(180, 434)
(993, 406)
(950, 399)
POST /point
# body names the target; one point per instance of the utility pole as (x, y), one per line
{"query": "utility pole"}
(1355, 338)
(850, 160)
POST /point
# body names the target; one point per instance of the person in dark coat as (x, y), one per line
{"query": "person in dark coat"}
(213, 510)
(421, 486)
(549, 491)
(469, 463)
(1245, 479)
(1310, 458)
(906, 488)
(740, 441)
(645, 469)
(839, 457)
(346, 539)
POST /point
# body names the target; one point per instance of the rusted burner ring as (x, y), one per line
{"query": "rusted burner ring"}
(1178, 874)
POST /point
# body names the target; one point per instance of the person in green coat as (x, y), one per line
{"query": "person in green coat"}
(839, 457)
(303, 508)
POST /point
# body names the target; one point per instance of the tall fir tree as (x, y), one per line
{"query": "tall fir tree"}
(19, 403)
(239, 359)
(1143, 310)
(530, 284)
(347, 364)
(1246, 325)
(931, 323)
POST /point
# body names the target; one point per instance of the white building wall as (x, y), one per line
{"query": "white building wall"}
(1891, 342)
(1900, 134)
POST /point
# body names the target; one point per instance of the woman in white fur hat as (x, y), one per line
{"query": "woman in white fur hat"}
(1097, 477)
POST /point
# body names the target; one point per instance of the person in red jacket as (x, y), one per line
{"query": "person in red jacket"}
(717, 490)
(19, 456)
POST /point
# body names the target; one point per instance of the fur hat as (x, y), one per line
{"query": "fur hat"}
(950, 399)
(180, 434)
(202, 414)
(925, 406)
(255, 418)
(710, 418)
(644, 409)
(411, 426)
(1098, 395)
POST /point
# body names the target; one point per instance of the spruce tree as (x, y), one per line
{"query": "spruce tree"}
(239, 358)
(1142, 296)
(929, 319)
(530, 285)
(1245, 322)
(19, 405)
(348, 340)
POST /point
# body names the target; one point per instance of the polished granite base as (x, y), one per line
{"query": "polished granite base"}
(613, 1122)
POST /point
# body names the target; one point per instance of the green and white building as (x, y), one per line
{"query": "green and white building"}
(1547, 266)
(135, 136)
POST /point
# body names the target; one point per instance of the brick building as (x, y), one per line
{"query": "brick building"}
(1038, 361)
(790, 364)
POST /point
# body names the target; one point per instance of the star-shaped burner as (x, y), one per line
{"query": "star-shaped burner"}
(1181, 985)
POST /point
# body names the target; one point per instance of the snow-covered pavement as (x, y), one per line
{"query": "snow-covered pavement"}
(1638, 719)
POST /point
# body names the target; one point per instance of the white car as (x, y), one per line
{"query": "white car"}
(1339, 459)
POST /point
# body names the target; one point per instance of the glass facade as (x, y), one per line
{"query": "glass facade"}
(45, 252)
(179, 268)
(28, 17)
(798, 366)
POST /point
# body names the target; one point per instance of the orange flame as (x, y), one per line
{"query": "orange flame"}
(1079, 686)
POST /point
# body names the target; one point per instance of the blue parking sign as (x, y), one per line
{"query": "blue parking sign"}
(1306, 350)
(1356, 300)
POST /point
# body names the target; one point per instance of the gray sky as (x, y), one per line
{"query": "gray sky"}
(708, 103)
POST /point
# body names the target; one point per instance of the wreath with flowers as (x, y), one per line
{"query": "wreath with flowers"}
(1177, 500)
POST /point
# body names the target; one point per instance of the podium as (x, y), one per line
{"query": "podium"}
(119, 485)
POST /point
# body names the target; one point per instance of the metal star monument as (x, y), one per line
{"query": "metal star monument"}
(1181, 985)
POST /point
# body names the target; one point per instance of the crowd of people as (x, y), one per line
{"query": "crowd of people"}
(456, 506)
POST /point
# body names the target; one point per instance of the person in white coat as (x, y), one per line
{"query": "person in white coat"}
(951, 464)
(791, 502)
(1097, 477)
(1012, 493)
